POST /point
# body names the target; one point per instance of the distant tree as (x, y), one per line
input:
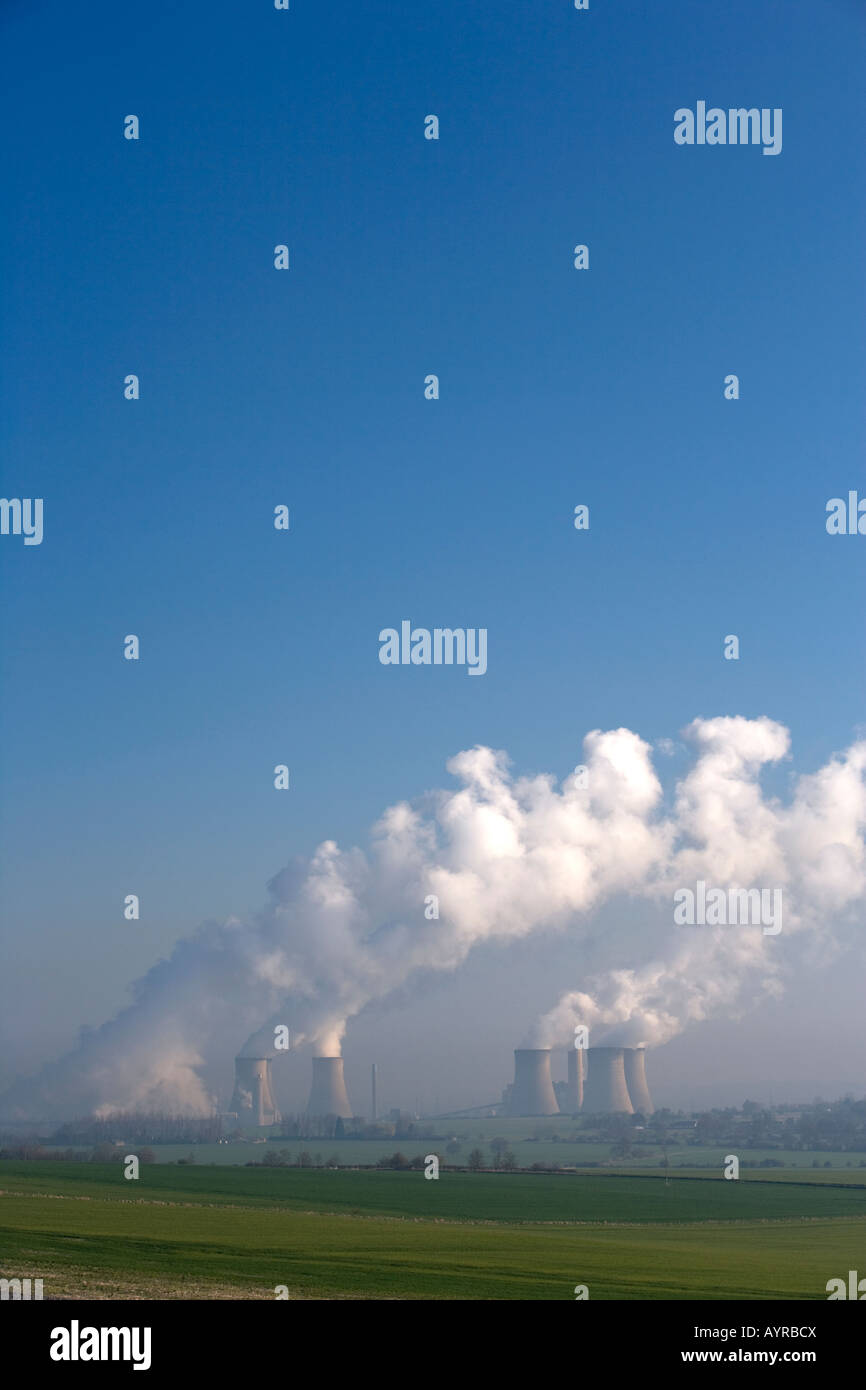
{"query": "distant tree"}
(509, 1162)
(617, 1127)
(333, 1161)
(623, 1148)
(661, 1119)
(476, 1160)
(304, 1160)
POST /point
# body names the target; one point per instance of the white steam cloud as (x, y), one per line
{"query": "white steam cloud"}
(727, 833)
(505, 857)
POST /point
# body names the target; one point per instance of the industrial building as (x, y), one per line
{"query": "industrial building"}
(253, 1100)
(532, 1092)
(601, 1081)
(328, 1095)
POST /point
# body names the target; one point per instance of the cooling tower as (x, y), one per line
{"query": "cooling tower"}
(573, 1094)
(328, 1091)
(532, 1092)
(635, 1079)
(253, 1100)
(605, 1091)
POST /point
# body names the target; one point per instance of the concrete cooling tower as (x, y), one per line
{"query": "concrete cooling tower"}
(253, 1100)
(635, 1079)
(328, 1094)
(606, 1092)
(532, 1092)
(573, 1094)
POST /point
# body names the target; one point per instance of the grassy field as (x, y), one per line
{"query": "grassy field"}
(202, 1232)
(847, 1177)
(527, 1151)
(473, 1197)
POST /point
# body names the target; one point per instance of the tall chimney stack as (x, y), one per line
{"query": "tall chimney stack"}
(373, 1090)
(328, 1094)
(253, 1100)
(606, 1092)
(532, 1092)
(635, 1079)
(574, 1084)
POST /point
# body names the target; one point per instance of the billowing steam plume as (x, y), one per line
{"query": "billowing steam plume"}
(729, 835)
(504, 857)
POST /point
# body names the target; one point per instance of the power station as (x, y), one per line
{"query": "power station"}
(635, 1079)
(572, 1096)
(328, 1095)
(532, 1092)
(606, 1092)
(253, 1100)
(601, 1081)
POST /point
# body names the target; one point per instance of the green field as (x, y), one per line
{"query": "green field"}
(219, 1232)
(566, 1152)
(473, 1197)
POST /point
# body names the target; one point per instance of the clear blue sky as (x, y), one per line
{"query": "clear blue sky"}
(408, 257)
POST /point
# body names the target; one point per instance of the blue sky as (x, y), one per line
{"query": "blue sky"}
(408, 257)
